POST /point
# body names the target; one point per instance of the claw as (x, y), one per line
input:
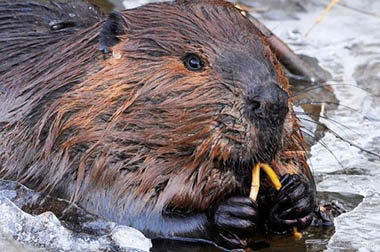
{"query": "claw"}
(288, 194)
(233, 221)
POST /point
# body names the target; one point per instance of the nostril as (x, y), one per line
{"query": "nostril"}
(255, 105)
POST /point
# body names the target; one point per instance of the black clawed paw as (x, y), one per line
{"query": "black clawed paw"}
(292, 205)
(233, 221)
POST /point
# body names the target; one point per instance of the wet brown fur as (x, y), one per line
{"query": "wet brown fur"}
(138, 126)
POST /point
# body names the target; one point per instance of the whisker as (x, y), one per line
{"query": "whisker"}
(300, 144)
(308, 89)
(328, 103)
(355, 145)
(336, 123)
(321, 142)
(342, 138)
(333, 103)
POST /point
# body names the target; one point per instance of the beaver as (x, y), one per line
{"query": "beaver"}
(152, 117)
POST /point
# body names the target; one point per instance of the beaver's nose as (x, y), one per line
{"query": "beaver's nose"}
(267, 103)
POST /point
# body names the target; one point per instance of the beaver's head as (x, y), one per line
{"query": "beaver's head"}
(205, 80)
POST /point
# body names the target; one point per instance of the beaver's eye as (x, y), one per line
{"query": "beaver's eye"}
(193, 62)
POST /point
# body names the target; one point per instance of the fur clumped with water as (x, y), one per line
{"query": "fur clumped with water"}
(105, 112)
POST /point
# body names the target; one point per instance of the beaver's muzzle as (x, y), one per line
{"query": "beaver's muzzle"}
(267, 104)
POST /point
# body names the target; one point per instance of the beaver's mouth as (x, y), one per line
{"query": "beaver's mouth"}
(268, 144)
(262, 147)
(250, 142)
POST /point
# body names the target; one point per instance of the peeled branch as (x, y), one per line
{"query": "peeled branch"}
(255, 186)
(256, 179)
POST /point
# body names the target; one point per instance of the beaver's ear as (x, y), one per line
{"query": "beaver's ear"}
(184, 2)
(112, 29)
(181, 2)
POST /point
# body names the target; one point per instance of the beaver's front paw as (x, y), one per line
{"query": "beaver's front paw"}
(291, 206)
(233, 221)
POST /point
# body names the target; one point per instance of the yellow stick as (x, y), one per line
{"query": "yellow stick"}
(255, 185)
(255, 182)
(272, 176)
(256, 179)
(319, 19)
(297, 235)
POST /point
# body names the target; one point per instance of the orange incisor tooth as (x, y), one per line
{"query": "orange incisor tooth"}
(255, 185)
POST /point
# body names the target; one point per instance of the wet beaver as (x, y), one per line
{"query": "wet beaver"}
(153, 117)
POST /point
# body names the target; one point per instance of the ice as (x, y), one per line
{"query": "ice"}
(20, 231)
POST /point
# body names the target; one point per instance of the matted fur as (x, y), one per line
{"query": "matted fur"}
(137, 131)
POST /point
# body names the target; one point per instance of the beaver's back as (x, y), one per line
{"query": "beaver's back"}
(42, 45)
(27, 29)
